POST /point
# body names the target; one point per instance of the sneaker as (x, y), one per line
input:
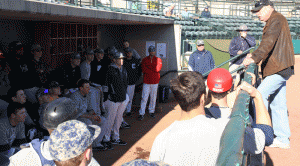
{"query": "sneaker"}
(108, 145)
(128, 114)
(99, 146)
(118, 142)
(152, 115)
(141, 117)
(278, 144)
(125, 125)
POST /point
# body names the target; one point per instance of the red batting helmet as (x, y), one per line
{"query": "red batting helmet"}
(219, 80)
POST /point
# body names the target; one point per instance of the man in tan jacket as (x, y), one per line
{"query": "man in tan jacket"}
(277, 55)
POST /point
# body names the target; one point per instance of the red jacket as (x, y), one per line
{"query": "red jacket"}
(151, 69)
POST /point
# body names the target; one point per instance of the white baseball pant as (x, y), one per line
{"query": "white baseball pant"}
(152, 90)
(130, 92)
(114, 118)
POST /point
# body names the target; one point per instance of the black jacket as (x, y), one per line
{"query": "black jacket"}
(116, 83)
(133, 68)
(21, 75)
(98, 71)
(67, 76)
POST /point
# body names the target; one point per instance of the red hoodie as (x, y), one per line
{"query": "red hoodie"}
(151, 69)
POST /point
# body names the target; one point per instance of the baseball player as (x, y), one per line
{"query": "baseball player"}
(135, 54)
(116, 87)
(151, 66)
(12, 129)
(133, 69)
(69, 74)
(219, 82)
(37, 152)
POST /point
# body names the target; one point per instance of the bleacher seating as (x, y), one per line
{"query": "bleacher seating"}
(222, 26)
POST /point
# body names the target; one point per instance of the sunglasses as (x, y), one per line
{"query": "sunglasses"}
(200, 45)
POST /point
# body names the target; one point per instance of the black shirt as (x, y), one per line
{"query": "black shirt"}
(133, 68)
(286, 73)
(98, 71)
(67, 76)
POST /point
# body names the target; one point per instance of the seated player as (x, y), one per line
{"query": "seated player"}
(37, 152)
(12, 129)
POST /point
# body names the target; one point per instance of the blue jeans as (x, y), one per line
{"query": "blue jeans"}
(273, 90)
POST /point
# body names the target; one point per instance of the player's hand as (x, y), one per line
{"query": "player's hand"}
(249, 55)
(239, 52)
(253, 78)
(247, 61)
(253, 92)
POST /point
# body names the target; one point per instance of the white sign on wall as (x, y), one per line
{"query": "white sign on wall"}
(161, 50)
(148, 44)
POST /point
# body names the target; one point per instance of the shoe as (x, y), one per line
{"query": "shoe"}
(152, 115)
(128, 114)
(108, 145)
(125, 125)
(141, 117)
(278, 144)
(118, 142)
(99, 146)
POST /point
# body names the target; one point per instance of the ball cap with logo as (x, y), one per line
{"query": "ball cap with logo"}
(71, 138)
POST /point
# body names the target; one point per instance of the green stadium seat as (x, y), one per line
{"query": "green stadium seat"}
(194, 34)
(199, 34)
(188, 34)
(197, 28)
(193, 28)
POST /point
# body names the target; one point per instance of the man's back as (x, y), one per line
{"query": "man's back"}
(190, 142)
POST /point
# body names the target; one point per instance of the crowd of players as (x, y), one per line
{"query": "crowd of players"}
(51, 115)
(102, 87)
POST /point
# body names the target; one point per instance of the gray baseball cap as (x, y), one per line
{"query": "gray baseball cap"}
(200, 42)
(71, 138)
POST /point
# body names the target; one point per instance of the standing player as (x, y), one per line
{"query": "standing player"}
(276, 52)
(134, 52)
(116, 87)
(133, 68)
(151, 67)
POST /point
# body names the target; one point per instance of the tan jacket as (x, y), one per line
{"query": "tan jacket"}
(276, 48)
